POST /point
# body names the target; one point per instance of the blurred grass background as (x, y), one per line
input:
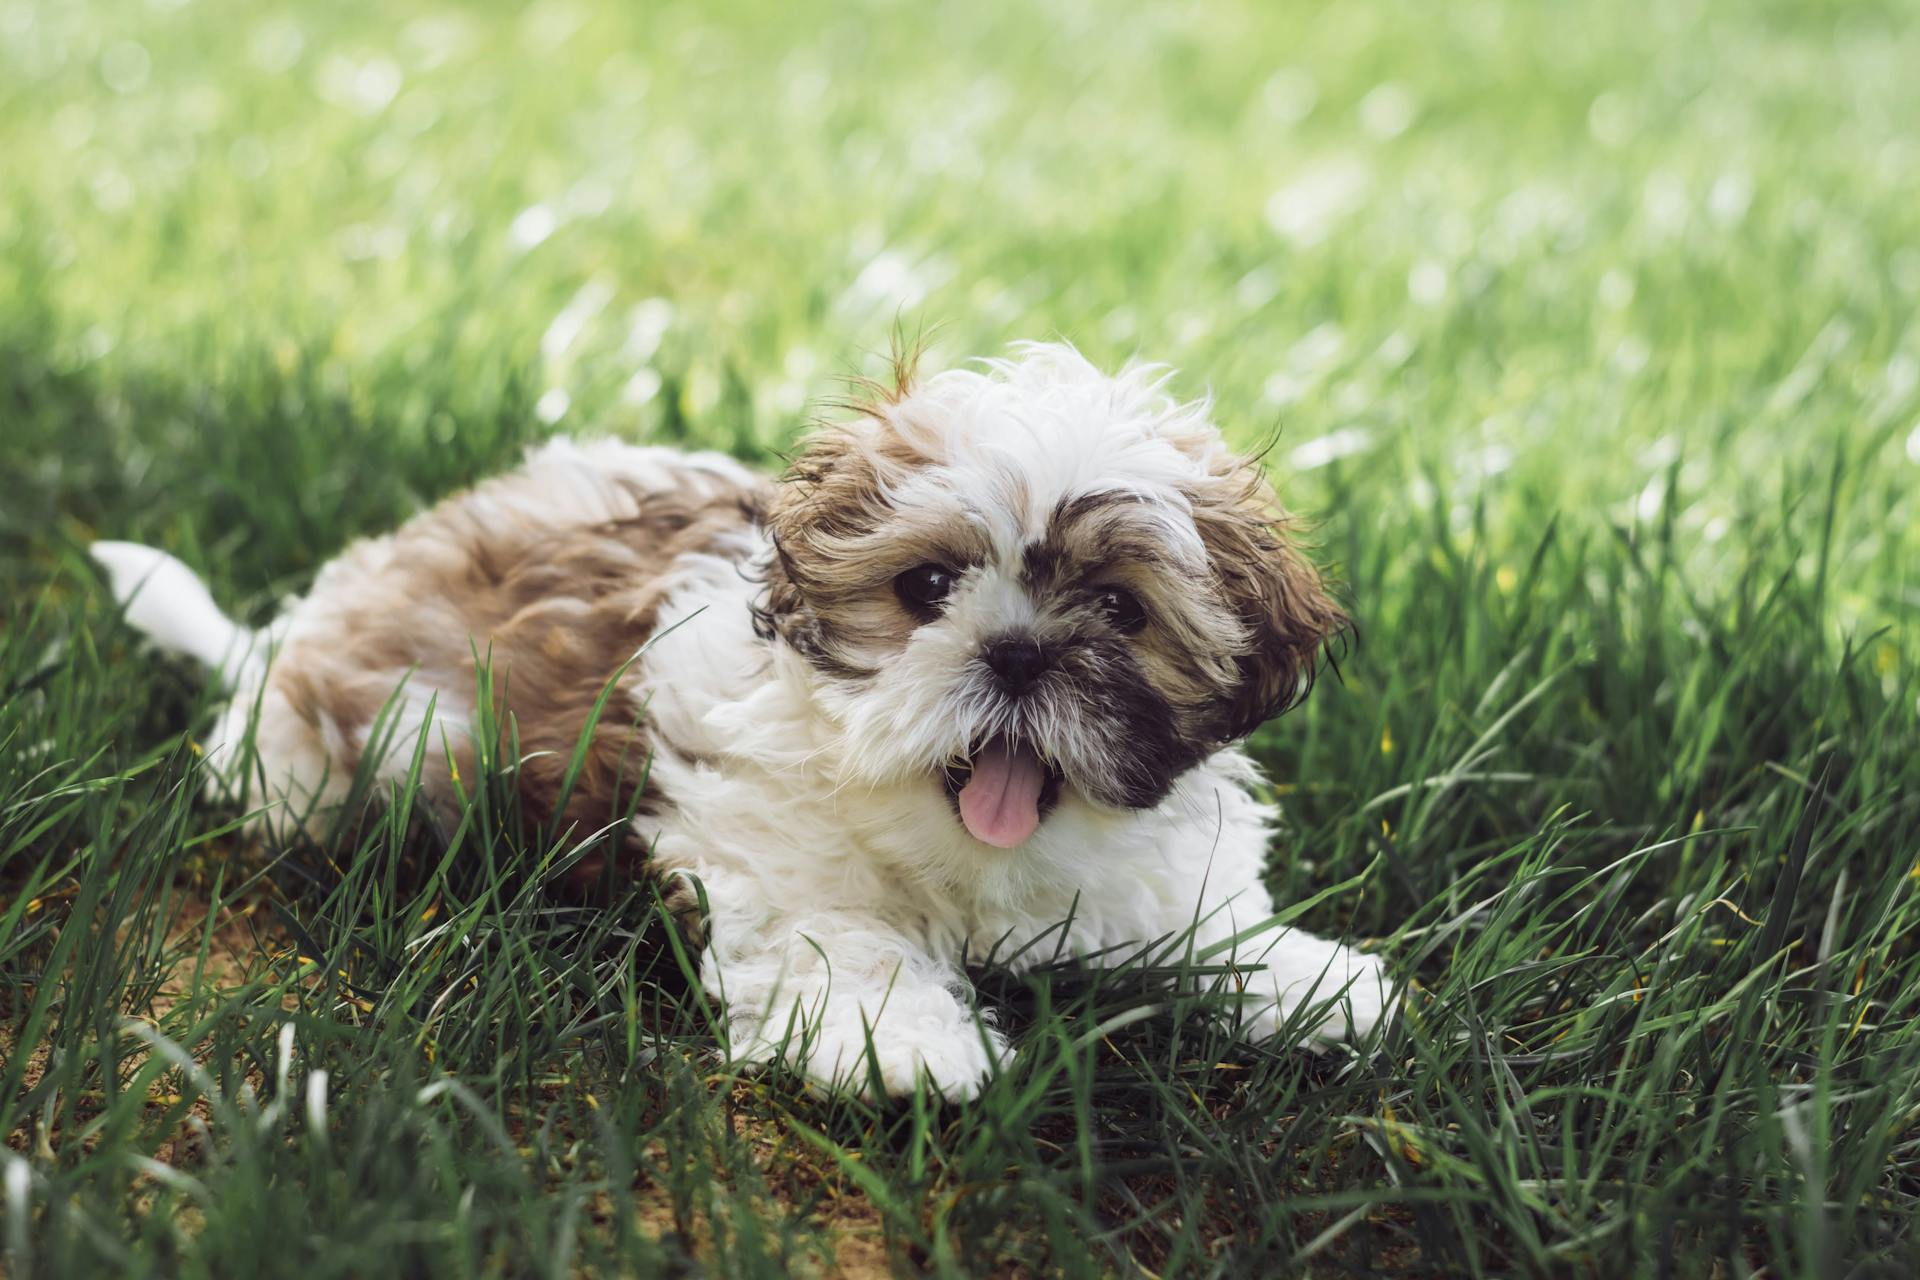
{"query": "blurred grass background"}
(1455, 245)
(1587, 335)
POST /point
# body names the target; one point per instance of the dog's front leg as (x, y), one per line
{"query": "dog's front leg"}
(814, 990)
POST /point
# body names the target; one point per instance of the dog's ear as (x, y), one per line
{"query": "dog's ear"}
(827, 510)
(790, 515)
(824, 489)
(1281, 600)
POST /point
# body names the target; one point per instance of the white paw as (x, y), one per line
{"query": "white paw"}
(957, 1063)
(1345, 991)
(943, 1046)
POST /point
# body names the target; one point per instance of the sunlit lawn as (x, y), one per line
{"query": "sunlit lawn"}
(1586, 334)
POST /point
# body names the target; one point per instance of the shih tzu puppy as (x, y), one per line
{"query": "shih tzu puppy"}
(976, 666)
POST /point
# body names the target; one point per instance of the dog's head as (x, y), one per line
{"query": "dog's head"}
(1038, 578)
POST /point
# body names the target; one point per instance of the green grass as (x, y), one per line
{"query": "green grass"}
(1614, 310)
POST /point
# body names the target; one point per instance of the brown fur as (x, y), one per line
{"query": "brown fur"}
(1110, 538)
(553, 606)
(1263, 590)
(1274, 590)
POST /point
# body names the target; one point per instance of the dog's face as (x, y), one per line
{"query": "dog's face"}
(1035, 582)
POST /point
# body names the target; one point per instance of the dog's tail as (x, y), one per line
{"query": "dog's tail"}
(169, 602)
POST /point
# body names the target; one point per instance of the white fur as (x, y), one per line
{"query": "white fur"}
(164, 599)
(845, 896)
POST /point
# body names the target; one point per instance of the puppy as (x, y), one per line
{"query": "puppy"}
(975, 667)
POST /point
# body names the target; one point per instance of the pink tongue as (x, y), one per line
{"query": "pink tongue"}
(1001, 802)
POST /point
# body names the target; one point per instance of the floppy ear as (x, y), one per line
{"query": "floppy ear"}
(1272, 588)
(825, 514)
(830, 494)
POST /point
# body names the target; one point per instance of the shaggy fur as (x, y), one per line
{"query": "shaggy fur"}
(812, 726)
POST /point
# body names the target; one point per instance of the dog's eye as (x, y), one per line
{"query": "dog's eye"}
(923, 587)
(1123, 608)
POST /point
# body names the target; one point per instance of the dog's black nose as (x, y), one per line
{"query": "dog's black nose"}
(1017, 661)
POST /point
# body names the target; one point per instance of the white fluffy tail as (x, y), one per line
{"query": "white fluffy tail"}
(170, 603)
